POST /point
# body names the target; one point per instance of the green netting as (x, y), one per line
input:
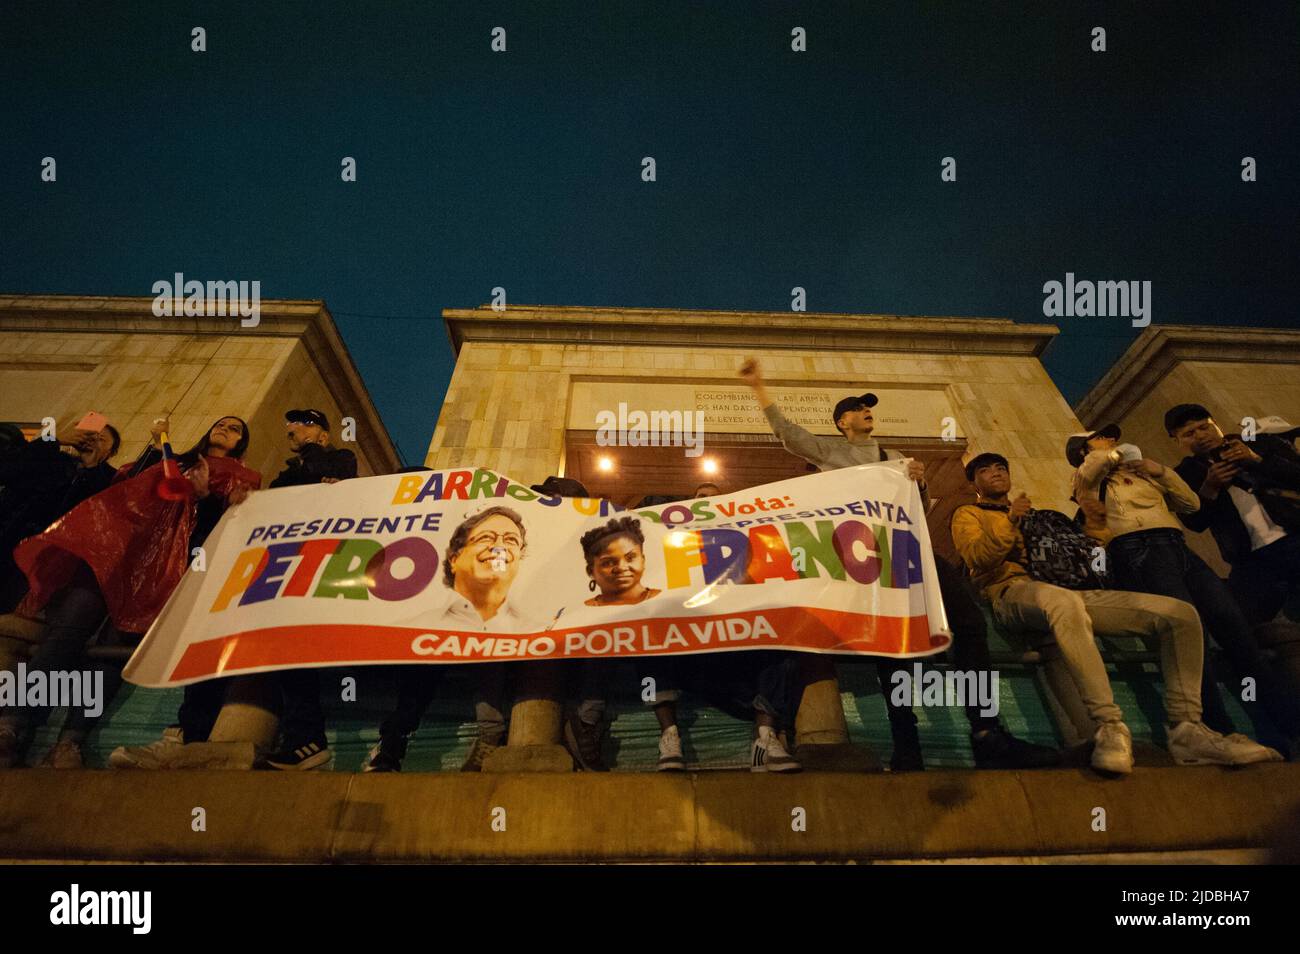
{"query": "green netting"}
(712, 739)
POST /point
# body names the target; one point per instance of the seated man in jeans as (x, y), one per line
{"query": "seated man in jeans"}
(987, 535)
(1149, 555)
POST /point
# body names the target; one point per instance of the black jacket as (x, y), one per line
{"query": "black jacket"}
(39, 484)
(314, 463)
(1275, 481)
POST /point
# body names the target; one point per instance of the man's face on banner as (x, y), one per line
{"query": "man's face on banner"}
(491, 553)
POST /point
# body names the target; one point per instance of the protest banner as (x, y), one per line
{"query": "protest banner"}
(461, 566)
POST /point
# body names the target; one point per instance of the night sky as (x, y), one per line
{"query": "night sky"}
(775, 168)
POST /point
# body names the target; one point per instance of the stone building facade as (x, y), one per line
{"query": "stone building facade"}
(1234, 372)
(61, 356)
(528, 379)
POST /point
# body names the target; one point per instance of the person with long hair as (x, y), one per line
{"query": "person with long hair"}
(119, 555)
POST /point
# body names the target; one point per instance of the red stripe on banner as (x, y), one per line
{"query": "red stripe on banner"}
(797, 628)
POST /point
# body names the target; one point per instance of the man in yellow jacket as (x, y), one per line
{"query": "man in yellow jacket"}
(987, 535)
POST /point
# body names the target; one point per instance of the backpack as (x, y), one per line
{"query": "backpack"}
(1058, 552)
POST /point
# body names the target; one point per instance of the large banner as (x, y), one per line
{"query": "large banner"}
(469, 566)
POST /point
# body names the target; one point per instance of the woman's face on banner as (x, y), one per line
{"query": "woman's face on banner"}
(618, 567)
(492, 551)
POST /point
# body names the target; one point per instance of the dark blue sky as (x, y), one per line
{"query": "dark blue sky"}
(775, 168)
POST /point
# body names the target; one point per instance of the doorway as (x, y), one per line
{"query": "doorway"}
(627, 474)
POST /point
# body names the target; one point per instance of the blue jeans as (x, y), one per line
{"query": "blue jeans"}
(1159, 561)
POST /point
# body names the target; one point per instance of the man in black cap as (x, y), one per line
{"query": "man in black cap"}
(302, 721)
(315, 460)
(1250, 502)
(1144, 501)
(993, 746)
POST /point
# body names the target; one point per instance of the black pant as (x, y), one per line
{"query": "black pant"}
(739, 683)
(72, 616)
(1265, 580)
(969, 652)
(1159, 561)
(416, 687)
(301, 717)
(200, 708)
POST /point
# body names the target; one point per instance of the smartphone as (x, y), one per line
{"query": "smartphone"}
(94, 422)
(1216, 455)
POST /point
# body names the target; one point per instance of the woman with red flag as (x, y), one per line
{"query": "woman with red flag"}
(120, 554)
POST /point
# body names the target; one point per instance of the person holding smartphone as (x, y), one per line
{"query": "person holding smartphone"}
(41, 480)
(1250, 503)
(1144, 502)
(118, 554)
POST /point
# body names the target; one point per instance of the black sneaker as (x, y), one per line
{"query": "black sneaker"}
(385, 755)
(999, 749)
(906, 758)
(583, 742)
(299, 758)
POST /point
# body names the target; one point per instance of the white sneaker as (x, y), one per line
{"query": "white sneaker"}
(1112, 750)
(670, 751)
(155, 755)
(1195, 743)
(769, 755)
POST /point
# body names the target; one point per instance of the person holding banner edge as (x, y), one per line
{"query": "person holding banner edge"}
(302, 721)
(992, 745)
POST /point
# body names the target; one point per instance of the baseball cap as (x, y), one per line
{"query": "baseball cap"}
(852, 403)
(984, 460)
(1277, 426)
(560, 487)
(1076, 448)
(307, 416)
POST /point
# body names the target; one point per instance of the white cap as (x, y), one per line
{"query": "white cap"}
(1275, 425)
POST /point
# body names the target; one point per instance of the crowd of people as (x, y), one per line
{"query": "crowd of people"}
(93, 553)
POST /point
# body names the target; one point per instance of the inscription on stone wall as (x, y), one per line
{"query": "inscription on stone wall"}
(911, 412)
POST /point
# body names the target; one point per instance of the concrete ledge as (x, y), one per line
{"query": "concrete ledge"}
(717, 816)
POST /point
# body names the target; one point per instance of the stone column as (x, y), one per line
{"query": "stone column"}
(821, 734)
(536, 720)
